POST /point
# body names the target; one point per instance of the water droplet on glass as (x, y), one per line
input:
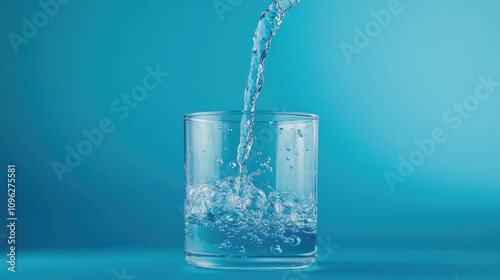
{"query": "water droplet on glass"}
(265, 99)
(287, 158)
(268, 160)
(288, 149)
(307, 149)
(219, 126)
(259, 153)
(220, 161)
(281, 129)
(275, 249)
(230, 129)
(299, 132)
(232, 164)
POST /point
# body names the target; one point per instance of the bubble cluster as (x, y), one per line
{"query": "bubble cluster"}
(235, 206)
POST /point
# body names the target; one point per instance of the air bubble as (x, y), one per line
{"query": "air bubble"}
(219, 126)
(270, 121)
(220, 161)
(288, 149)
(232, 164)
(275, 249)
(259, 153)
(233, 218)
(293, 240)
(291, 167)
(287, 158)
(230, 129)
(299, 132)
(267, 166)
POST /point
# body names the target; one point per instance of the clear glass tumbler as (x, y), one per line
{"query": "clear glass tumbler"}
(265, 218)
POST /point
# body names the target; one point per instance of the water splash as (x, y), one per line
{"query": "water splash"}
(234, 208)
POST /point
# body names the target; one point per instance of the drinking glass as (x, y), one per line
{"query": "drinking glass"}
(264, 218)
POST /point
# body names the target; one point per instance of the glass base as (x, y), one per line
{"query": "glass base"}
(249, 262)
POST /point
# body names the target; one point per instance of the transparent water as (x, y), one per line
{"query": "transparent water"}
(237, 218)
(234, 218)
(269, 23)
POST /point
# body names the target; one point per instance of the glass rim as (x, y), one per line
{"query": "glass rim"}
(198, 116)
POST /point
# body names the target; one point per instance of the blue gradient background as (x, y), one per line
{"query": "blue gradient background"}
(128, 191)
